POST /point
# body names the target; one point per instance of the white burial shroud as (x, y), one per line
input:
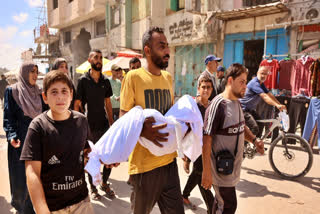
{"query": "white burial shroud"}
(118, 142)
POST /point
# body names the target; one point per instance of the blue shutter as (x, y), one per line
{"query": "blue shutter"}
(228, 53)
(238, 56)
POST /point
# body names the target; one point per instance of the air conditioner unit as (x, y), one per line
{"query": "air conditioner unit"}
(312, 14)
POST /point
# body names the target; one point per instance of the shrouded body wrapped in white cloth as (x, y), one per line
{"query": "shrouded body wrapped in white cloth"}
(118, 142)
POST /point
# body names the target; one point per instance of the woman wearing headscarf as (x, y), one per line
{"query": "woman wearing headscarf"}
(22, 103)
(62, 65)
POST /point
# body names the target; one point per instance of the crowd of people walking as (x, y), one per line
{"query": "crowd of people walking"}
(48, 131)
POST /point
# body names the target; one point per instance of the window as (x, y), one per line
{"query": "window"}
(250, 3)
(55, 4)
(198, 6)
(176, 5)
(67, 37)
(115, 16)
(100, 28)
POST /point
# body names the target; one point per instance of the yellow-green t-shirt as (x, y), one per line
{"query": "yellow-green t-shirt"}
(140, 87)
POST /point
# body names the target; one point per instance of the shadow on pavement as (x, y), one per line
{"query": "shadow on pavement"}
(310, 182)
(263, 173)
(197, 202)
(252, 189)
(5, 207)
(121, 188)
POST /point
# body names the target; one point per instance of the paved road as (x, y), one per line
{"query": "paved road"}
(260, 191)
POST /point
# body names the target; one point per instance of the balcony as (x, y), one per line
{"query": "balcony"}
(70, 13)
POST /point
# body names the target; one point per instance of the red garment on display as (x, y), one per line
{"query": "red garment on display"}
(301, 76)
(271, 81)
(285, 71)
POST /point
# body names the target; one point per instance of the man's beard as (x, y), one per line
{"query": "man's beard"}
(158, 60)
(95, 67)
(238, 94)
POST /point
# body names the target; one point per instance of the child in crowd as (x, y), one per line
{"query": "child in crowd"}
(54, 152)
(205, 88)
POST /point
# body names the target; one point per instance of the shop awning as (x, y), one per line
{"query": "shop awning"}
(250, 12)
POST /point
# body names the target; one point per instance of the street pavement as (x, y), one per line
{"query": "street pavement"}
(260, 190)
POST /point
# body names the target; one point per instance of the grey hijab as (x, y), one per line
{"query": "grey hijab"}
(57, 63)
(27, 96)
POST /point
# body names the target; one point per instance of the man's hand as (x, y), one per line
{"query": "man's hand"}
(281, 107)
(15, 143)
(259, 146)
(151, 132)
(206, 181)
(117, 98)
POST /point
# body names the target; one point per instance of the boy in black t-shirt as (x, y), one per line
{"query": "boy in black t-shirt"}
(54, 152)
(205, 88)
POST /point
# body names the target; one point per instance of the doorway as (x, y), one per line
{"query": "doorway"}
(252, 57)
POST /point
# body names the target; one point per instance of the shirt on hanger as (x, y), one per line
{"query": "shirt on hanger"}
(301, 77)
(285, 69)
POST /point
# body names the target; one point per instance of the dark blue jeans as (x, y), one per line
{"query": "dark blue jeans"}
(20, 198)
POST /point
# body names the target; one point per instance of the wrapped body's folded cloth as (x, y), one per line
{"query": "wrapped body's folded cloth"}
(118, 142)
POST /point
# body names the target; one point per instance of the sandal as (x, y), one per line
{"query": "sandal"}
(95, 195)
(109, 192)
(188, 204)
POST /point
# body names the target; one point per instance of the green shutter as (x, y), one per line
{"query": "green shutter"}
(174, 5)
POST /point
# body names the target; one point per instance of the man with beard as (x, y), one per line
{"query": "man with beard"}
(256, 90)
(154, 179)
(94, 89)
(224, 132)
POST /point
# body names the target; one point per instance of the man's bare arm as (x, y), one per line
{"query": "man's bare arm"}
(206, 181)
(108, 107)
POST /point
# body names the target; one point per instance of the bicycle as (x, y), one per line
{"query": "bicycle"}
(290, 155)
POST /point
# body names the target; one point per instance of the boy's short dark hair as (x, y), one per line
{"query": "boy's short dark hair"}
(134, 60)
(235, 70)
(53, 77)
(204, 78)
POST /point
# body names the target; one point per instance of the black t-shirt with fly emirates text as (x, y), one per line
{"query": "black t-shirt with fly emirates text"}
(59, 146)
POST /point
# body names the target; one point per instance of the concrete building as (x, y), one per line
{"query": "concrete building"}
(81, 25)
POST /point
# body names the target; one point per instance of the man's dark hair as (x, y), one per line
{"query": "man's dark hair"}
(134, 60)
(94, 51)
(53, 77)
(235, 70)
(146, 38)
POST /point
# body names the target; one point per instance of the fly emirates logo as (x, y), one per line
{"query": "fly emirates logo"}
(69, 184)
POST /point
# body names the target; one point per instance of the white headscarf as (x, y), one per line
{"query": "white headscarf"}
(27, 96)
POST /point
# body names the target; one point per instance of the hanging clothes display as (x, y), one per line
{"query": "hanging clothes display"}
(301, 76)
(312, 119)
(285, 71)
(315, 78)
(273, 66)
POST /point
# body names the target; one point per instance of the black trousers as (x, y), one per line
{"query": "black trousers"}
(226, 199)
(160, 185)
(95, 135)
(298, 113)
(193, 180)
(250, 119)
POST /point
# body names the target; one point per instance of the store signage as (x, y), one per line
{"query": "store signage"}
(310, 28)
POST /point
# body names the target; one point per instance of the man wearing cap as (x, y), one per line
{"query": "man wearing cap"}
(211, 62)
(116, 87)
(221, 80)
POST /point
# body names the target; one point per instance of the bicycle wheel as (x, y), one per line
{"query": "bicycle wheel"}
(290, 156)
